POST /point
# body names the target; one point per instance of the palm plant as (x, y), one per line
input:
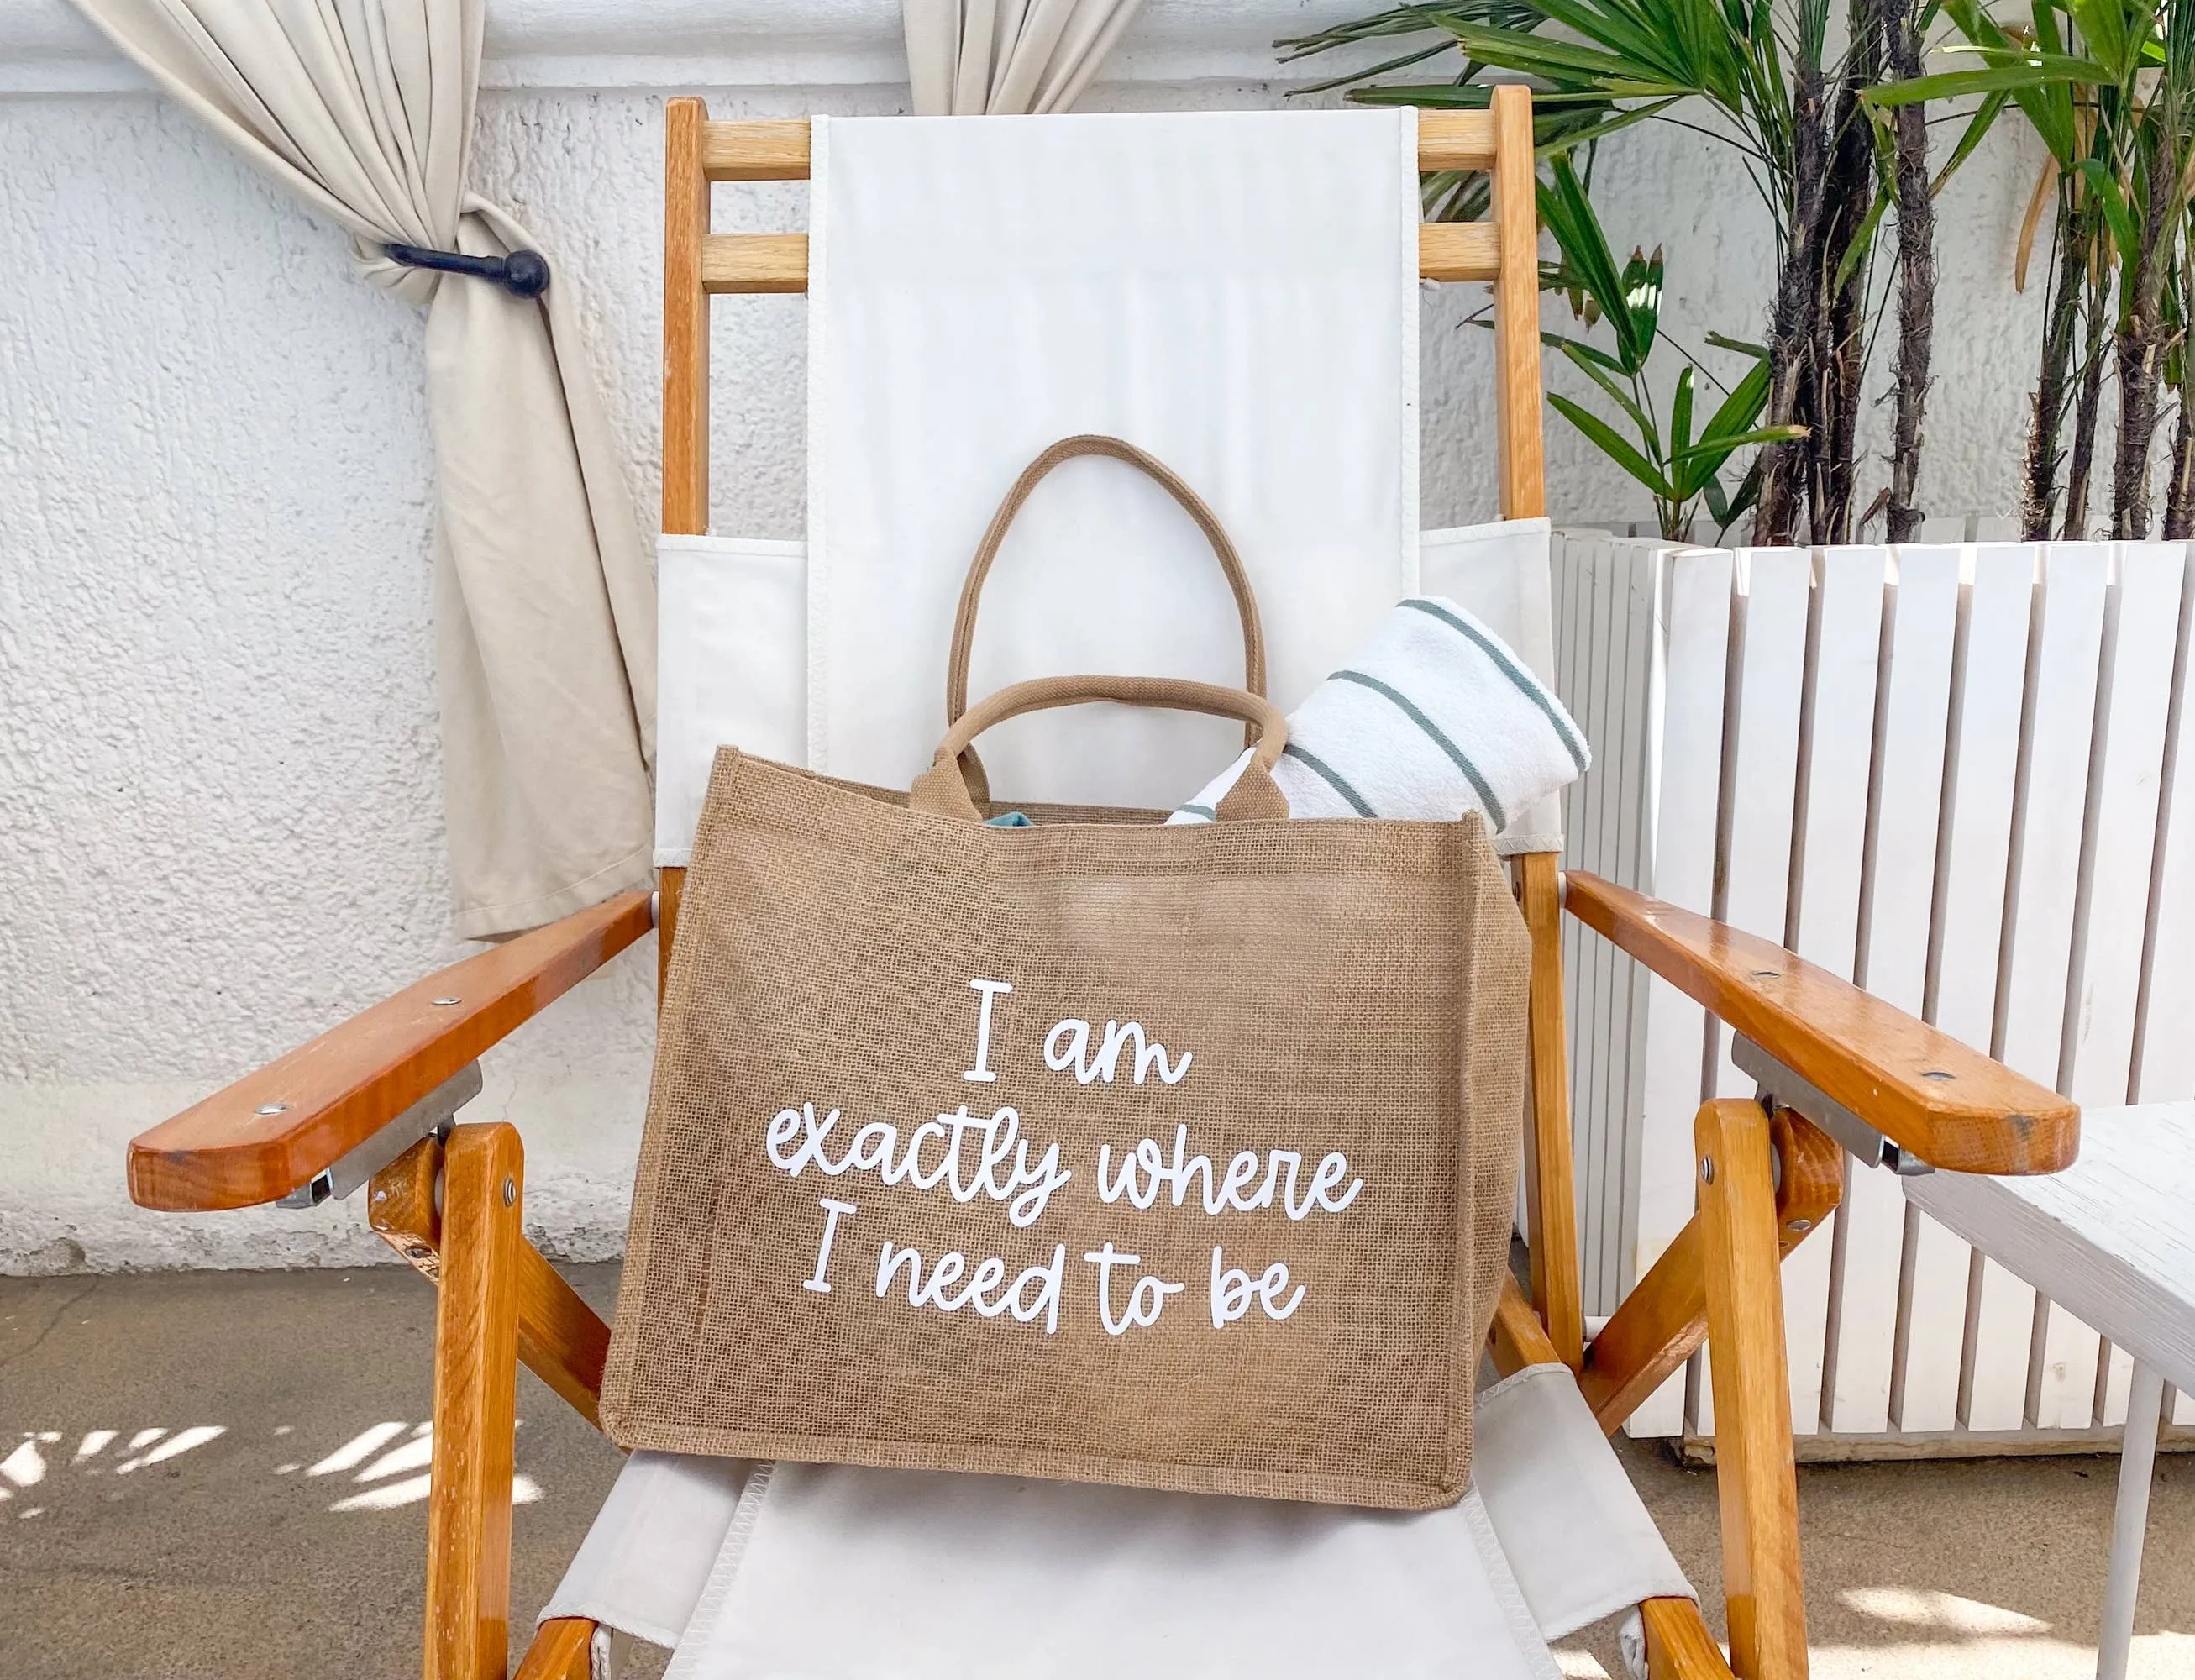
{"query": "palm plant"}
(2109, 85)
(1790, 110)
(1680, 470)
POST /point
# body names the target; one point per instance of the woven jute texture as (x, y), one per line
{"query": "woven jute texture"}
(1320, 989)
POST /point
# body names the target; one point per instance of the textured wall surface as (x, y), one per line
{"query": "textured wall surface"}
(220, 825)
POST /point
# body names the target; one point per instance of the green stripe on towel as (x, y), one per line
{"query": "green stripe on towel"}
(1331, 776)
(1410, 709)
(1526, 683)
(1204, 811)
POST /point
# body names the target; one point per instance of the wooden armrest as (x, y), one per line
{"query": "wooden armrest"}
(1932, 1095)
(261, 1138)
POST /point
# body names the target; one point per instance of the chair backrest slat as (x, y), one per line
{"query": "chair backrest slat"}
(778, 263)
(777, 148)
(773, 150)
(685, 322)
(754, 262)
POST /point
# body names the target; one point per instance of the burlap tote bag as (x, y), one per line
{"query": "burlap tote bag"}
(1176, 1157)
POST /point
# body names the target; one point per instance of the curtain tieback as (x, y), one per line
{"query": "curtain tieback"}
(523, 273)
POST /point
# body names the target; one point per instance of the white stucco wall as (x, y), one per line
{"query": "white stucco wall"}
(219, 829)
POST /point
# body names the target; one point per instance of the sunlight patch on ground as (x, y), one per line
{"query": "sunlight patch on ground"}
(173, 1447)
(415, 1454)
(1919, 1608)
(387, 1497)
(26, 1466)
(389, 1461)
(1961, 1638)
(2154, 1656)
(357, 1449)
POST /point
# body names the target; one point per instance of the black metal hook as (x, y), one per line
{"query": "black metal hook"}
(523, 273)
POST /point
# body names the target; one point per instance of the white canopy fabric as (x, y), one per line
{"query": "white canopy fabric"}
(544, 598)
(1004, 58)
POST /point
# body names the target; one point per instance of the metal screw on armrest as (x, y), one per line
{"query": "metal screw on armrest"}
(1801, 1225)
(444, 1003)
(509, 1190)
(1706, 1169)
(273, 1109)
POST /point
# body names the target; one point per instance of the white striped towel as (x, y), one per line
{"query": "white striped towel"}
(1434, 717)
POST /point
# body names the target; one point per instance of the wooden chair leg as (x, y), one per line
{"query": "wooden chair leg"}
(1661, 1323)
(561, 1650)
(560, 1338)
(1756, 1477)
(1550, 1176)
(475, 1385)
(1678, 1646)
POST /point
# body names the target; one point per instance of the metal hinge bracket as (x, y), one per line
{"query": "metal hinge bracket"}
(434, 1113)
(1859, 1140)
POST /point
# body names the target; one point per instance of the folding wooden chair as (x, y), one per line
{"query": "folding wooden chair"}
(373, 1099)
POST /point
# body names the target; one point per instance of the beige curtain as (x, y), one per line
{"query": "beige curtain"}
(967, 58)
(544, 597)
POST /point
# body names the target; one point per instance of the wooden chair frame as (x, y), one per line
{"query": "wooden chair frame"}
(1768, 1175)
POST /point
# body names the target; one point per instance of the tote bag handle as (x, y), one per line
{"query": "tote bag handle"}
(944, 788)
(986, 552)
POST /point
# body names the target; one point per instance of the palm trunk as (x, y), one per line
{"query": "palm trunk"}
(2039, 497)
(1839, 339)
(1824, 414)
(1785, 468)
(1916, 271)
(1833, 515)
(2141, 345)
(2180, 495)
(2089, 404)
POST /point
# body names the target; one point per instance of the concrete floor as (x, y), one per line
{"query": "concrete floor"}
(220, 1474)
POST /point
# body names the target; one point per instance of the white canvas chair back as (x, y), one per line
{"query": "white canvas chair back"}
(1235, 292)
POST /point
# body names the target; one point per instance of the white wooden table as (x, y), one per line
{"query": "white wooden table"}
(2112, 1239)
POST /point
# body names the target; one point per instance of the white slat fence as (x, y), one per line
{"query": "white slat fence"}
(1958, 771)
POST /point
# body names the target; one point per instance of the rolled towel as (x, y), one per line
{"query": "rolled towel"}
(1434, 717)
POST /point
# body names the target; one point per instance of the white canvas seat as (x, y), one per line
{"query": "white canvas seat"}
(834, 1572)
